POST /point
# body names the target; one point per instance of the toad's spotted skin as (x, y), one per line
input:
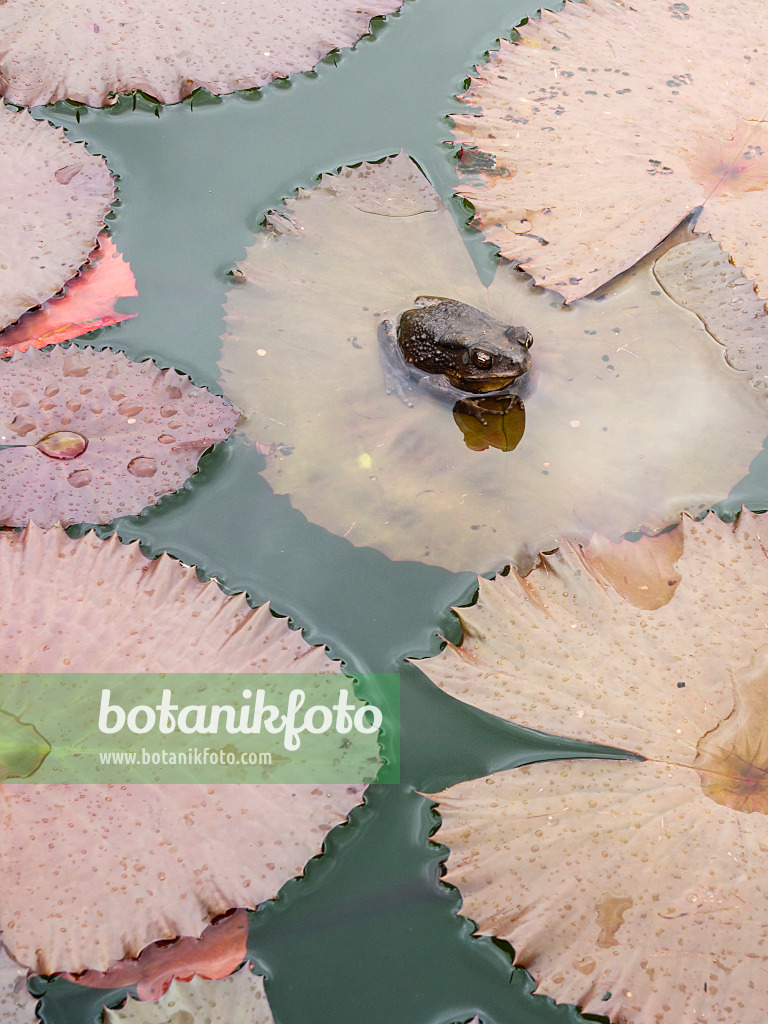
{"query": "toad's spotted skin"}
(466, 350)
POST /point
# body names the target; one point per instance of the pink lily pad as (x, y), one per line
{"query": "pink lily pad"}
(54, 196)
(91, 435)
(93, 873)
(606, 124)
(168, 50)
(633, 888)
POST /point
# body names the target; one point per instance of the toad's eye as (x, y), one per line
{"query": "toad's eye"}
(520, 335)
(482, 360)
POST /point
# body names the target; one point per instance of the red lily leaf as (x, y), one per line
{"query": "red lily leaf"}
(216, 954)
(88, 303)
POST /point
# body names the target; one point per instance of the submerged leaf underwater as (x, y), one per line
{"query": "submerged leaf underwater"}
(368, 933)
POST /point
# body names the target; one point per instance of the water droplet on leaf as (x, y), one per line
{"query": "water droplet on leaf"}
(63, 444)
(79, 477)
(142, 466)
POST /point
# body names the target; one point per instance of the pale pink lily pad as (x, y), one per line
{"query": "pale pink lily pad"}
(90, 52)
(634, 889)
(238, 998)
(54, 196)
(17, 1006)
(216, 954)
(607, 124)
(88, 303)
(95, 873)
(141, 432)
(631, 414)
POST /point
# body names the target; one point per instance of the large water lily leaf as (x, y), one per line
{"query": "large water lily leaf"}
(631, 412)
(89, 52)
(88, 303)
(238, 998)
(216, 954)
(608, 123)
(54, 196)
(91, 435)
(94, 873)
(17, 1006)
(635, 889)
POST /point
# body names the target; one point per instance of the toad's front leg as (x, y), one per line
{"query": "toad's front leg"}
(392, 362)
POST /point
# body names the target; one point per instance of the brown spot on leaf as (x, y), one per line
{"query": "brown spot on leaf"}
(610, 917)
(65, 174)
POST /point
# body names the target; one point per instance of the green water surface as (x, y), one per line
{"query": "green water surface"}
(369, 935)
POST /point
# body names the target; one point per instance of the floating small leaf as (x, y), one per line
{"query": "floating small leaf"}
(47, 227)
(17, 1006)
(168, 50)
(645, 571)
(699, 275)
(101, 422)
(635, 889)
(606, 124)
(127, 865)
(238, 998)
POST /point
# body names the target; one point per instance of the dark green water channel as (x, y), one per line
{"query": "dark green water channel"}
(369, 934)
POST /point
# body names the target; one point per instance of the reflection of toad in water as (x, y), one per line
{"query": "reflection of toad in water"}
(455, 351)
(503, 427)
